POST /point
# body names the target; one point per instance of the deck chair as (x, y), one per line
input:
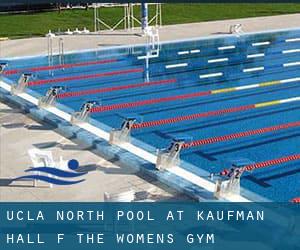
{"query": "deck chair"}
(236, 29)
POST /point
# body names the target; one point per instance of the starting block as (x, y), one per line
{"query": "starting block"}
(22, 84)
(50, 97)
(231, 185)
(3, 65)
(170, 157)
(122, 135)
(84, 113)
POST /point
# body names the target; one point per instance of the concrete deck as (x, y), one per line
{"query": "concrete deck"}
(36, 46)
(18, 132)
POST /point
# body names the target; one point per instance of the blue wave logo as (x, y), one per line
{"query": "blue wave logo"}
(62, 174)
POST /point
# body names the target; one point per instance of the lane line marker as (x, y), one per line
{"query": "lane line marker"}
(292, 40)
(147, 56)
(194, 51)
(253, 69)
(226, 47)
(290, 51)
(261, 43)
(291, 64)
(218, 60)
(178, 65)
(211, 75)
(256, 55)
(183, 52)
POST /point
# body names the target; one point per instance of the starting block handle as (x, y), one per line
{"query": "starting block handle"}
(169, 157)
(84, 113)
(122, 135)
(50, 97)
(22, 83)
(3, 65)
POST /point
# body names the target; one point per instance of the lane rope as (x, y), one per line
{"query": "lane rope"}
(80, 77)
(188, 96)
(111, 89)
(65, 66)
(296, 200)
(240, 135)
(211, 113)
(272, 162)
(263, 164)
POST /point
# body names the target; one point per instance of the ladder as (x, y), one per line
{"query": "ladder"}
(50, 52)
(61, 52)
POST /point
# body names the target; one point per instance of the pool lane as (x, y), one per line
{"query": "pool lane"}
(239, 53)
(185, 86)
(200, 64)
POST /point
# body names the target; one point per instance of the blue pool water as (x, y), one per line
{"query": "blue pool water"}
(237, 61)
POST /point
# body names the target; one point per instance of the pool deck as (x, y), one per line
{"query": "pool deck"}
(18, 133)
(38, 45)
(106, 176)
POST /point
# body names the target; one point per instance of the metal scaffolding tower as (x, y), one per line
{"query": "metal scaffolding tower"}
(129, 20)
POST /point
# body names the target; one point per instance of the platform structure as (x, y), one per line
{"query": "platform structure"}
(129, 19)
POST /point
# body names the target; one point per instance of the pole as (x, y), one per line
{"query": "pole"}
(144, 9)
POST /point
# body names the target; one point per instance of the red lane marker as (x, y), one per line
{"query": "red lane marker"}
(110, 89)
(240, 134)
(272, 162)
(65, 66)
(148, 102)
(296, 200)
(191, 117)
(71, 78)
(265, 164)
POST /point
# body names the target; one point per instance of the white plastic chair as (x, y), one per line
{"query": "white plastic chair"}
(236, 29)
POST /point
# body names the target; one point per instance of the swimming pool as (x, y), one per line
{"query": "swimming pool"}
(232, 98)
